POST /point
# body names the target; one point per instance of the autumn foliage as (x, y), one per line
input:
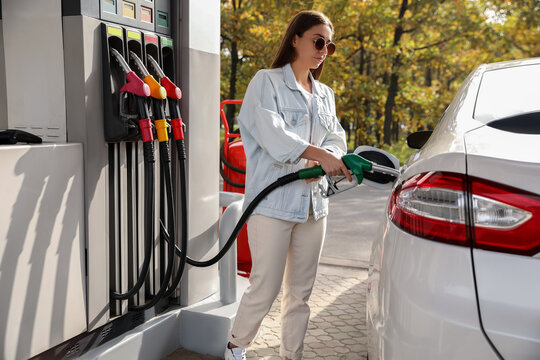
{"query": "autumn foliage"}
(398, 63)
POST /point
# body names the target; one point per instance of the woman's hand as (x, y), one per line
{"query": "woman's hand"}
(331, 164)
(334, 166)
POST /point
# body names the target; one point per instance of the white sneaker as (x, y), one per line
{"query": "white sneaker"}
(235, 354)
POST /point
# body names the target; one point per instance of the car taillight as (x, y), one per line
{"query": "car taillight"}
(434, 206)
(505, 218)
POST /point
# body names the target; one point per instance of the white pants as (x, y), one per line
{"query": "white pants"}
(279, 248)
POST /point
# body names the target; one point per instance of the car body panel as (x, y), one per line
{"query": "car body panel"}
(509, 295)
(416, 313)
(445, 149)
(508, 285)
(510, 63)
(451, 162)
(447, 137)
(422, 297)
(402, 314)
(507, 158)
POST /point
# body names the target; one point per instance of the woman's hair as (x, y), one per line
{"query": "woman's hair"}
(299, 24)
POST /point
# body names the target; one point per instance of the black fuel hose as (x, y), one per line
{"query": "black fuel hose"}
(284, 180)
(165, 160)
(226, 163)
(149, 160)
(229, 181)
(181, 150)
(157, 109)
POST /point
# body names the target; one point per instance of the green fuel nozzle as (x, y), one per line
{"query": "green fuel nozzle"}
(311, 172)
(356, 164)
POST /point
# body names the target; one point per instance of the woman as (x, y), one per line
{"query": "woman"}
(287, 121)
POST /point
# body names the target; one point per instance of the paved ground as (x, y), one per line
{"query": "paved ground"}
(353, 222)
(337, 327)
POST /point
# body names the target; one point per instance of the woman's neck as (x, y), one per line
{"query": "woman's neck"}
(301, 74)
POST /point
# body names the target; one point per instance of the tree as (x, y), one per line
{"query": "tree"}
(398, 62)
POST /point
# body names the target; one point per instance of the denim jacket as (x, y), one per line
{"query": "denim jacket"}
(276, 129)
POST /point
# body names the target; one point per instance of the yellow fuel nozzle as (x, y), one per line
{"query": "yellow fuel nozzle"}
(156, 90)
(161, 130)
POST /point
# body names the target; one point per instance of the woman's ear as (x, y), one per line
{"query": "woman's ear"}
(294, 40)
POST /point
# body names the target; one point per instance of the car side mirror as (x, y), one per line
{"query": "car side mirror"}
(417, 139)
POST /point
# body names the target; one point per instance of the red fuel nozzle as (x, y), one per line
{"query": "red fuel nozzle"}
(178, 130)
(135, 85)
(146, 130)
(173, 91)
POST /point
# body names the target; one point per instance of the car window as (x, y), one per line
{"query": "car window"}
(508, 92)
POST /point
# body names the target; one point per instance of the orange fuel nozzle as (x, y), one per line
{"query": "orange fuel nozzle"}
(156, 90)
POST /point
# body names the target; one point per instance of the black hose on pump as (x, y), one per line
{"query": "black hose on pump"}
(165, 161)
(284, 180)
(180, 146)
(149, 161)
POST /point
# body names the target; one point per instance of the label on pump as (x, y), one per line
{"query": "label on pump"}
(109, 6)
(114, 31)
(128, 10)
(162, 19)
(166, 42)
(134, 35)
(146, 14)
(151, 39)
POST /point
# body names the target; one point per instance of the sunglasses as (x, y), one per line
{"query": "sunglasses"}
(320, 43)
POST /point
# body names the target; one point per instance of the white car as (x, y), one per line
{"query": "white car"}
(455, 273)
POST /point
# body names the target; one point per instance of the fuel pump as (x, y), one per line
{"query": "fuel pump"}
(97, 254)
(154, 95)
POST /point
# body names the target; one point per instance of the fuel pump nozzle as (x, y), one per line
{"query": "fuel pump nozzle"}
(173, 94)
(158, 94)
(173, 91)
(134, 85)
(156, 90)
(356, 164)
